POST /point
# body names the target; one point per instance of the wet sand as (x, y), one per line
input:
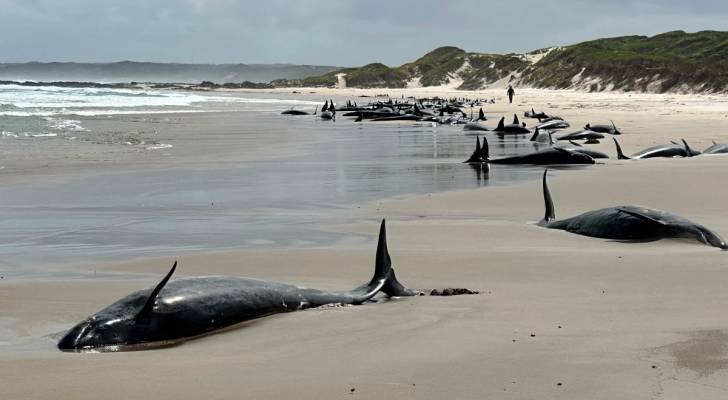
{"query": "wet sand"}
(559, 315)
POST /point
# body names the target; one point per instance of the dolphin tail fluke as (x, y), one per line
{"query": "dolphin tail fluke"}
(550, 214)
(620, 154)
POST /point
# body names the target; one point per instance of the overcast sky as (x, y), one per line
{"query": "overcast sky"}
(331, 32)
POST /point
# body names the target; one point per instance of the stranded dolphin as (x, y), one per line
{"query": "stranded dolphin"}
(717, 148)
(514, 128)
(663, 150)
(548, 156)
(188, 307)
(628, 223)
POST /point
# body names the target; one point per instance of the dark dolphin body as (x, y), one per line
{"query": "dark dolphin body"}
(610, 129)
(555, 123)
(188, 307)
(628, 223)
(549, 156)
(370, 113)
(514, 128)
(294, 112)
(589, 136)
(403, 117)
(581, 149)
(474, 126)
(542, 136)
(717, 148)
(533, 114)
(663, 150)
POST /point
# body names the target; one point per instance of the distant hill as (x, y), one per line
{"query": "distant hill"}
(442, 66)
(130, 71)
(669, 62)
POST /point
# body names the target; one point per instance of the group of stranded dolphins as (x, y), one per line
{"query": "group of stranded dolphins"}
(185, 308)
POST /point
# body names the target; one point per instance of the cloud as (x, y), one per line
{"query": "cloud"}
(342, 32)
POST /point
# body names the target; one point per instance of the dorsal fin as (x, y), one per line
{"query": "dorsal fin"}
(535, 135)
(475, 157)
(150, 301)
(500, 124)
(515, 120)
(485, 150)
(549, 214)
(714, 143)
(574, 143)
(688, 150)
(620, 154)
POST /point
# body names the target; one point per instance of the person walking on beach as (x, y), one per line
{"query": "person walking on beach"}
(511, 93)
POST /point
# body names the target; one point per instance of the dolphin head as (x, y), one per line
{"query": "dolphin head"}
(710, 238)
(99, 332)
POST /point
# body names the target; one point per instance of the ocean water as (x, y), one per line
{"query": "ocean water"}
(236, 174)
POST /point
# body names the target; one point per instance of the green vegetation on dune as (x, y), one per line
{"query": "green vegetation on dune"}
(665, 62)
(488, 68)
(672, 61)
(434, 67)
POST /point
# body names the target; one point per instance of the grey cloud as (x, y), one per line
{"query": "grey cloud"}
(323, 32)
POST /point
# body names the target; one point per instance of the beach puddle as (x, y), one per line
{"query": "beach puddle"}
(704, 352)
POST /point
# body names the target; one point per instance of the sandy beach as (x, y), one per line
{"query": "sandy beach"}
(558, 315)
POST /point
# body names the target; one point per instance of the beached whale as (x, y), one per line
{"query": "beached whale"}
(610, 129)
(555, 123)
(663, 150)
(402, 117)
(187, 307)
(514, 128)
(717, 148)
(628, 223)
(474, 126)
(295, 112)
(581, 149)
(549, 156)
(591, 137)
(533, 114)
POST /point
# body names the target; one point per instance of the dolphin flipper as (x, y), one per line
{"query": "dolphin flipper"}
(642, 216)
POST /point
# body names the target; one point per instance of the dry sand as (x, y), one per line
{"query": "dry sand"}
(559, 315)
